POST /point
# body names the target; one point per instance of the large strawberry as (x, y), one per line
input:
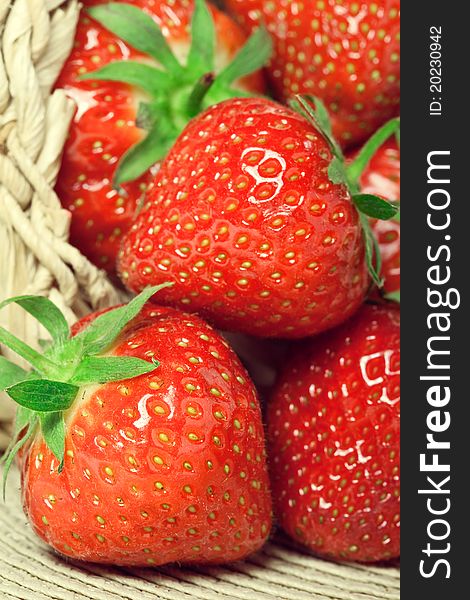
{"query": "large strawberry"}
(382, 178)
(346, 53)
(334, 434)
(145, 442)
(125, 78)
(251, 218)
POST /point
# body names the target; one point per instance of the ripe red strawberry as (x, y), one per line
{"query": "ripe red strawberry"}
(165, 466)
(334, 429)
(382, 177)
(246, 221)
(105, 127)
(346, 53)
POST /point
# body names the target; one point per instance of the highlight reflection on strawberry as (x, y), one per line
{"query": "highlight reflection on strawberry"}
(133, 96)
(334, 439)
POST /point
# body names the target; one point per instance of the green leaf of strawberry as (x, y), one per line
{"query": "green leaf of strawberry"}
(53, 431)
(93, 369)
(150, 79)
(393, 296)
(45, 312)
(24, 417)
(254, 54)
(373, 256)
(142, 156)
(43, 395)
(10, 373)
(41, 363)
(368, 205)
(202, 50)
(376, 207)
(25, 423)
(381, 177)
(13, 450)
(357, 167)
(51, 387)
(176, 93)
(105, 328)
(139, 30)
(337, 171)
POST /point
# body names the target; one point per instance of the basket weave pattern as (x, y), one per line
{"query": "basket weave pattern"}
(36, 258)
(36, 38)
(28, 570)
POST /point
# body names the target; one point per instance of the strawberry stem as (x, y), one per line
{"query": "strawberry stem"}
(194, 103)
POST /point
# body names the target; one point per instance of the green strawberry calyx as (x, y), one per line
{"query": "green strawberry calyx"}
(53, 382)
(177, 92)
(393, 296)
(367, 205)
(374, 204)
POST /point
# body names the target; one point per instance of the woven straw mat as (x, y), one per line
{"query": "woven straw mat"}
(36, 258)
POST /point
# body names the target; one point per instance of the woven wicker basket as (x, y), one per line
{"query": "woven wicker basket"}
(35, 257)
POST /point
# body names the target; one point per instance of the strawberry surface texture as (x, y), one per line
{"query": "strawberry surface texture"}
(333, 430)
(245, 220)
(167, 466)
(104, 128)
(345, 52)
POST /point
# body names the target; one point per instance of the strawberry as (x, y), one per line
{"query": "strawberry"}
(107, 163)
(333, 430)
(143, 436)
(346, 53)
(382, 177)
(251, 223)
